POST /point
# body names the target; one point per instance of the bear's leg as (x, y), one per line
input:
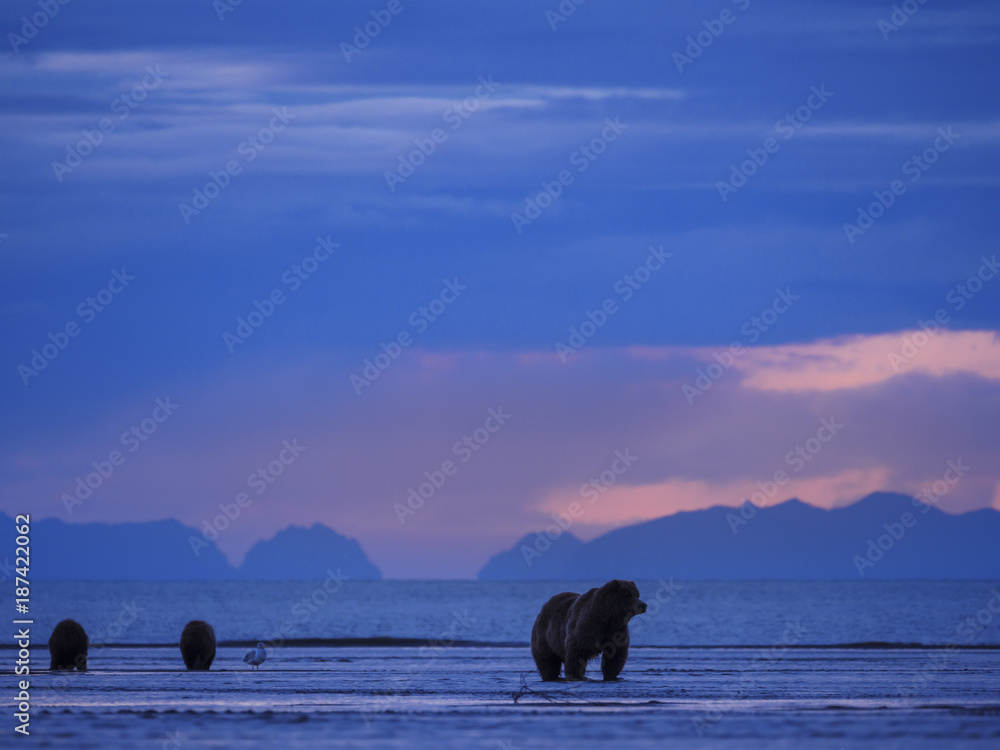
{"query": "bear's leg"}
(63, 660)
(81, 662)
(547, 660)
(549, 668)
(576, 665)
(611, 666)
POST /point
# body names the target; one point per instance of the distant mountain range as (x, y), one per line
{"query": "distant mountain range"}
(882, 536)
(162, 550)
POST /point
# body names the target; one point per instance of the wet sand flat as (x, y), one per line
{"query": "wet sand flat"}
(313, 697)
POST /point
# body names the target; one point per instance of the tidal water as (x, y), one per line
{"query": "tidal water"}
(681, 613)
(446, 664)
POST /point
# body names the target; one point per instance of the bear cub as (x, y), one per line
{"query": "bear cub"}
(198, 645)
(68, 646)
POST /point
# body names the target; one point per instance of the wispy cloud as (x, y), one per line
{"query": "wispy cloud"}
(861, 361)
(568, 421)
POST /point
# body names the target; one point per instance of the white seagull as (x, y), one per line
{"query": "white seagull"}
(255, 657)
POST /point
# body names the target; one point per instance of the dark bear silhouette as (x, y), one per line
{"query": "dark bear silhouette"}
(68, 646)
(572, 629)
(198, 645)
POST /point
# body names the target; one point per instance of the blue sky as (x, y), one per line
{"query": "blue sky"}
(656, 184)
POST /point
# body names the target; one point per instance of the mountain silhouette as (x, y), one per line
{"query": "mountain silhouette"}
(163, 550)
(882, 536)
(154, 550)
(536, 557)
(300, 553)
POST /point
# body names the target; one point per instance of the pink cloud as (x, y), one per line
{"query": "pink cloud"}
(859, 361)
(626, 504)
(568, 420)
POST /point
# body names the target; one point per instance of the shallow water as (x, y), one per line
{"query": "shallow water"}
(684, 613)
(464, 697)
(715, 665)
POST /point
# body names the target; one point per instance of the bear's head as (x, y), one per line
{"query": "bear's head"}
(624, 598)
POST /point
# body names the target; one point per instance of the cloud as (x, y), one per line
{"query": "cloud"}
(365, 453)
(325, 173)
(859, 361)
(213, 100)
(625, 504)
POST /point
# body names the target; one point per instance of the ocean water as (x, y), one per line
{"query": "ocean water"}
(681, 613)
(446, 664)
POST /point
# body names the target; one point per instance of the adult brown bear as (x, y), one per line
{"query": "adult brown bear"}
(572, 629)
(68, 646)
(198, 645)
